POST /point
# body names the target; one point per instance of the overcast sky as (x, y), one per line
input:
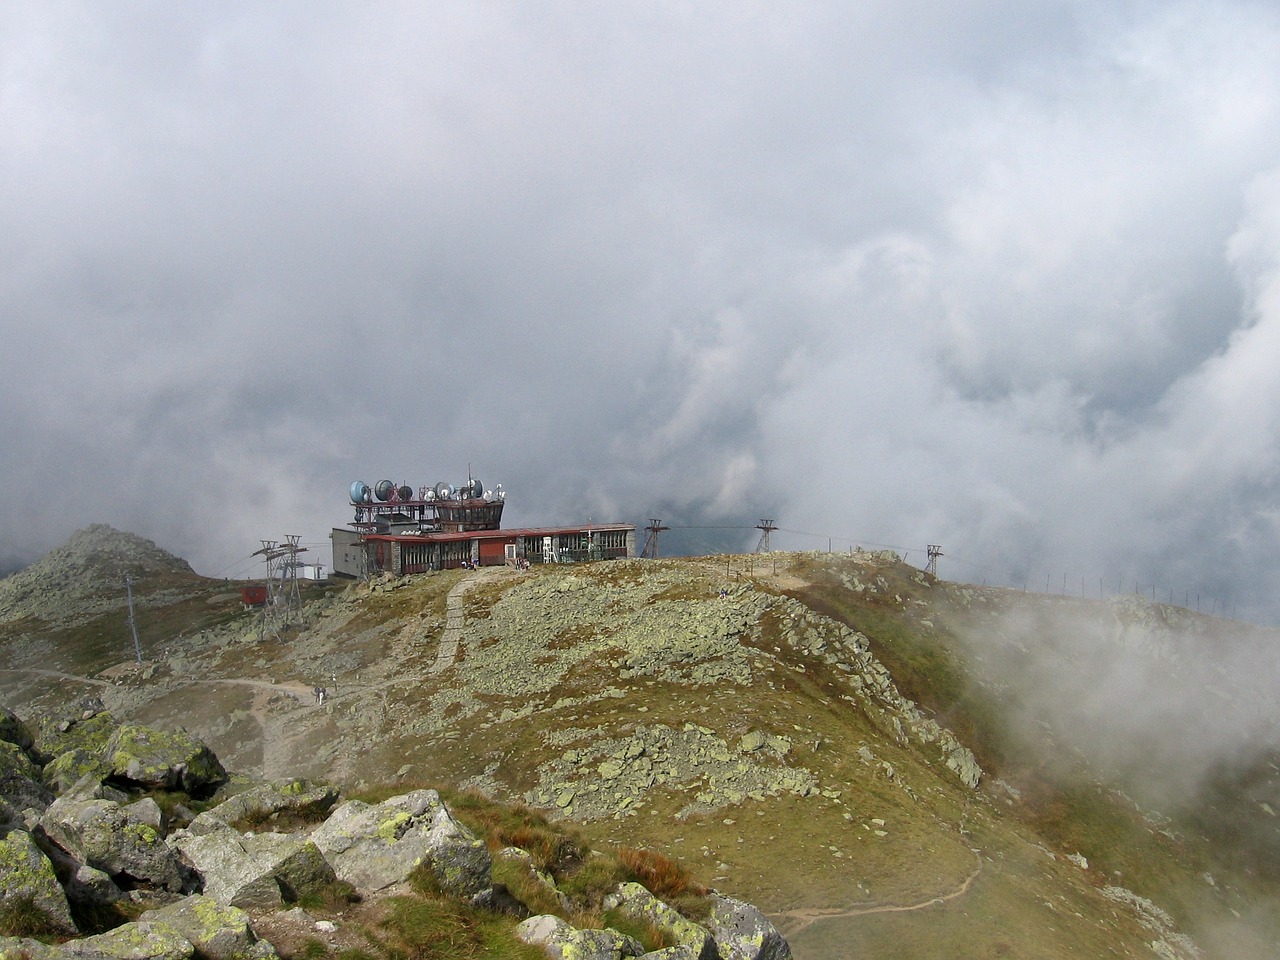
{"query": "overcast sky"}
(1001, 277)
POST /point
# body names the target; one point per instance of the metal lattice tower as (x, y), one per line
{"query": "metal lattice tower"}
(765, 527)
(283, 596)
(289, 577)
(650, 551)
(935, 552)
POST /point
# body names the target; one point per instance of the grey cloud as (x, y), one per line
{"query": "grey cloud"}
(891, 273)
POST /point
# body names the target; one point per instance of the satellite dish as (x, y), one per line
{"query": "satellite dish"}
(443, 490)
(406, 493)
(473, 488)
(383, 490)
(428, 494)
(359, 492)
(502, 494)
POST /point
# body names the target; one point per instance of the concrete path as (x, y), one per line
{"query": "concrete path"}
(454, 618)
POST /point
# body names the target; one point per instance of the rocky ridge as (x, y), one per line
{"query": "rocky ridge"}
(85, 576)
(182, 885)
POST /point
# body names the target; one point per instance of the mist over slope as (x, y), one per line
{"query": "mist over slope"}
(890, 765)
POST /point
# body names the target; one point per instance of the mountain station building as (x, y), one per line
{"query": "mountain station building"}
(398, 530)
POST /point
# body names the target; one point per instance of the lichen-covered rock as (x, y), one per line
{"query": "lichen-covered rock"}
(742, 932)
(295, 862)
(68, 769)
(561, 941)
(143, 940)
(25, 872)
(103, 835)
(158, 759)
(376, 846)
(254, 870)
(294, 797)
(228, 873)
(22, 948)
(216, 931)
(148, 811)
(19, 779)
(638, 903)
(91, 734)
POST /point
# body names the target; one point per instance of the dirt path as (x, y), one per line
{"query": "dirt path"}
(797, 920)
(59, 674)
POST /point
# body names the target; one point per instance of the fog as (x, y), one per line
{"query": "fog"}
(1003, 280)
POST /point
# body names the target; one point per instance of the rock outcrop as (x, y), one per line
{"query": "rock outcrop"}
(100, 845)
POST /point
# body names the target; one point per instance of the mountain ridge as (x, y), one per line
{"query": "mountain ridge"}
(786, 734)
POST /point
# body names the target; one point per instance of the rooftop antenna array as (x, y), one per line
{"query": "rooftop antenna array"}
(650, 551)
(934, 552)
(765, 527)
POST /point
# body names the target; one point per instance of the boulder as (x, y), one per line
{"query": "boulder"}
(561, 941)
(19, 779)
(292, 797)
(103, 835)
(295, 862)
(22, 948)
(25, 872)
(69, 769)
(228, 873)
(259, 870)
(13, 730)
(86, 887)
(90, 734)
(169, 761)
(142, 940)
(964, 765)
(214, 930)
(742, 932)
(638, 903)
(376, 846)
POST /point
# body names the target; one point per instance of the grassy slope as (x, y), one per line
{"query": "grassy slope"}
(798, 858)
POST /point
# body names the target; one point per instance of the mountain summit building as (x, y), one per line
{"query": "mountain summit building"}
(399, 530)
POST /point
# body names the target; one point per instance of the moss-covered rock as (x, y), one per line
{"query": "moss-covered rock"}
(261, 803)
(67, 769)
(742, 932)
(19, 779)
(103, 835)
(561, 941)
(27, 874)
(215, 931)
(162, 760)
(636, 902)
(143, 940)
(376, 846)
(56, 736)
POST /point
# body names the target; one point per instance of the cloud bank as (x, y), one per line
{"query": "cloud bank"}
(895, 274)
